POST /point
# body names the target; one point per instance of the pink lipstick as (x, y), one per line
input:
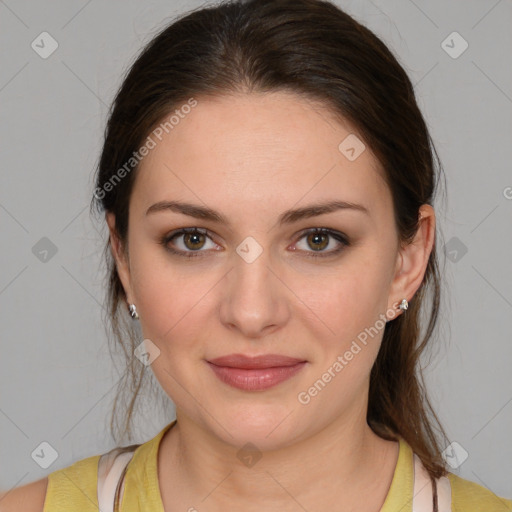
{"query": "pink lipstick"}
(255, 373)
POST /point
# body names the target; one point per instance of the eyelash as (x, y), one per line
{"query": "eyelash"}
(341, 238)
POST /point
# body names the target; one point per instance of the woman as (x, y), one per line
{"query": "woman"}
(267, 180)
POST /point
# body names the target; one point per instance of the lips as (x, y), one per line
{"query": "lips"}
(246, 362)
(255, 373)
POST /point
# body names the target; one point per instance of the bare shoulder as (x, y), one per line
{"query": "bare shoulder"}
(29, 497)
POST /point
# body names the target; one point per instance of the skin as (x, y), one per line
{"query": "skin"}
(251, 157)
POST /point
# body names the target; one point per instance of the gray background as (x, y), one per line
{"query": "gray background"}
(57, 379)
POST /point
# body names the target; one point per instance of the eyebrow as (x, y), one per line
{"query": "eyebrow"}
(288, 217)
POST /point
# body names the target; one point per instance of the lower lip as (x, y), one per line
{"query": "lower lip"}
(255, 379)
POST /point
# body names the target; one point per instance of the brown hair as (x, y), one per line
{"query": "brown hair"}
(313, 48)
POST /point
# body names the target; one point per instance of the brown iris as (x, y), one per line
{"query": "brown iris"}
(196, 240)
(316, 239)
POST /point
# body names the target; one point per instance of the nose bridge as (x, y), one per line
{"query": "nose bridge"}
(253, 298)
(253, 275)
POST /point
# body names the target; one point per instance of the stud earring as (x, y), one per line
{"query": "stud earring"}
(133, 311)
(403, 305)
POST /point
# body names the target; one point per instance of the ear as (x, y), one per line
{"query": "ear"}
(412, 260)
(120, 256)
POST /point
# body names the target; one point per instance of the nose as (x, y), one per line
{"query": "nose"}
(255, 301)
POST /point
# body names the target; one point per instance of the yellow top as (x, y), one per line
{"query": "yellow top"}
(74, 488)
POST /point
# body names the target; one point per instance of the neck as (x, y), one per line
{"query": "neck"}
(343, 461)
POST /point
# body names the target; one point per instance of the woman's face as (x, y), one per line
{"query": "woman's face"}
(260, 281)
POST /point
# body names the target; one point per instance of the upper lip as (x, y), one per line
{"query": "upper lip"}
(248, 362)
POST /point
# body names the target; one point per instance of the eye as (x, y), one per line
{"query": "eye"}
(320, 238)
(190, 241)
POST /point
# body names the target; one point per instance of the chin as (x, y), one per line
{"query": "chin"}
(269, 430)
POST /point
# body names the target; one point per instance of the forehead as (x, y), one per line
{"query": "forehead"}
(257, 150)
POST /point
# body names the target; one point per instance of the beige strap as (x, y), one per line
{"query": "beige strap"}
(423, 493)
(111, 466)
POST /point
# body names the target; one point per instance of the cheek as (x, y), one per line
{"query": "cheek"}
(168, 298)
(347, 301)
(349, 313)
(345, 350)
(172, 316)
